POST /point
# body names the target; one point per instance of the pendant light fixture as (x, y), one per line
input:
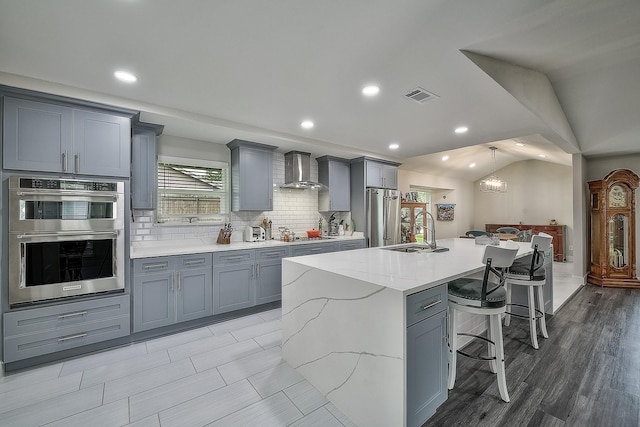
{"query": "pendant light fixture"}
(493, 184)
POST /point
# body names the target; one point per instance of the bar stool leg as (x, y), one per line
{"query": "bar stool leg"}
(496, 326)
(491, 347)
(452, 347)
(507, 317)
(543, 322)
(532, 318)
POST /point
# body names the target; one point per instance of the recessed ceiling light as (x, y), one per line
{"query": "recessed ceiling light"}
(461, 129)
(394, 146)
(125, 76)
(519, 144)
(472, 165)
(542, 155)
(307, 124)
(445, 158)
(371, 90)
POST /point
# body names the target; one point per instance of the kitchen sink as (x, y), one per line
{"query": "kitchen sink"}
(415, 249)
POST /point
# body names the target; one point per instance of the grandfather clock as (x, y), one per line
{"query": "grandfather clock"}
(612, 243)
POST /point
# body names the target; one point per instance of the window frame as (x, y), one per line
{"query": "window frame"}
(195, 219)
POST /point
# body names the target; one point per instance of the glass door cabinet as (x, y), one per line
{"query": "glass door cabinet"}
(611, 239)
(413, 222)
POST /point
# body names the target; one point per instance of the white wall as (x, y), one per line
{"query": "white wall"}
(537, 192)
(456, 191)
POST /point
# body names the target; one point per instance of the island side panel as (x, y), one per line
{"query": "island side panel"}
(346, 337)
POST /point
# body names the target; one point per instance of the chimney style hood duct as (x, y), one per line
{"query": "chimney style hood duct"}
(297, 171)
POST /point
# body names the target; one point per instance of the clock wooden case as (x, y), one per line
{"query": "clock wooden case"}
(612, 244)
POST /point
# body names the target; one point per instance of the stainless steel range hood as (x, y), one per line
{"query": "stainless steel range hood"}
(297, 171)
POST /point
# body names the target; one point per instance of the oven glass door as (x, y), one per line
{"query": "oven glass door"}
(67, 261)
(65, 210)
(44, 266)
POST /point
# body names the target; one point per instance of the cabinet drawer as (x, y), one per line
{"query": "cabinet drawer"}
(347, 246)
(62, 316)
(153, 265)
(426, 303)
(50, 341)
(194, 261)
(232, 257)
(271, 253)
(313, 248)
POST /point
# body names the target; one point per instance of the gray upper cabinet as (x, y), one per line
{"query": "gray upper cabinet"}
(36, 136)
(101, 144)
(47, 137)
(144, 166)
(251, 176)
(382, 175)
(334, 174)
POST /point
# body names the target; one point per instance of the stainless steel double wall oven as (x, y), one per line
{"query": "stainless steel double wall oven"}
(66, 238)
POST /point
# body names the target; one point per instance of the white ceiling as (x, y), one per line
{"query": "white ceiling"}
(252, 69)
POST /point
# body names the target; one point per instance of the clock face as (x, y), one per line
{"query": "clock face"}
(617, 197)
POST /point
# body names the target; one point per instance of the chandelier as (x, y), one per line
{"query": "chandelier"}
(493, 184)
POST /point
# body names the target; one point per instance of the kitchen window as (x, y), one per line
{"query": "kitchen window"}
(192, 191)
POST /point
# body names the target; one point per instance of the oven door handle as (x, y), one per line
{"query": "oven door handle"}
(92, 195)
(68, 233)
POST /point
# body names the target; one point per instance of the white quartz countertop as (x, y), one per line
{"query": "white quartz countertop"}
(155, 248)
(406, 272)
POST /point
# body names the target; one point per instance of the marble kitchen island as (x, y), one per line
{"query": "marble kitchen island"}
(345, 318)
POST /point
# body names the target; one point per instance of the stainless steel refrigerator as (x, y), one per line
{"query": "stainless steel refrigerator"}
(383, 217)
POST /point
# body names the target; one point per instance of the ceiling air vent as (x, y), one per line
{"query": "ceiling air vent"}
(420, 95)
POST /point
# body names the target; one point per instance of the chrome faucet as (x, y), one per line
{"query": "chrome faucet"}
(432, 244)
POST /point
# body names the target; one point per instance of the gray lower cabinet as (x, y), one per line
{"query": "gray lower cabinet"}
(38, 331)
(233, 280)
(427, 359)
(168, 290)
(351, 244)
(269, 274)
(47, 137)
(246, 278)
(314, 248)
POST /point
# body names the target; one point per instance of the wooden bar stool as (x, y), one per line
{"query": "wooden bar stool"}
(485, 297)
(528, 271)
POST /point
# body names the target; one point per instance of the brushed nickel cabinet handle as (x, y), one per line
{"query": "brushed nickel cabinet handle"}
(71, 337)
(79, 313)
(428, 306)
(77, 162)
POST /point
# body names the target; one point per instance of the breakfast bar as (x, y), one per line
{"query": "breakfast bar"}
(348, 322)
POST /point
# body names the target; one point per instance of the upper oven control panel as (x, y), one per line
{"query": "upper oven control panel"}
(66, 184)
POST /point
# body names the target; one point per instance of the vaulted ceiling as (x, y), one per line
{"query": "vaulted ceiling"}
(252, 69)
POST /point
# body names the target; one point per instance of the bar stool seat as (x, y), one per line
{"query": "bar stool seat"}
(484, 297)
(528, 271)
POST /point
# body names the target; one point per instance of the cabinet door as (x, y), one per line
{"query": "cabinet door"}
(101, 144)
(144, 175)
(153, 301)
(426, 368)
(36, 136)
(233, 287)
(389, 177)
(269, 281)
(194, 294)
(374, 174)
(339, 186)
(256, 180)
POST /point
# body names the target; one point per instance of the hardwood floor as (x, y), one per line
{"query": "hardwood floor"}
(586, 374)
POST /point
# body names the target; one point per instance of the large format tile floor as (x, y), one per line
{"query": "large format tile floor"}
(226, 374)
